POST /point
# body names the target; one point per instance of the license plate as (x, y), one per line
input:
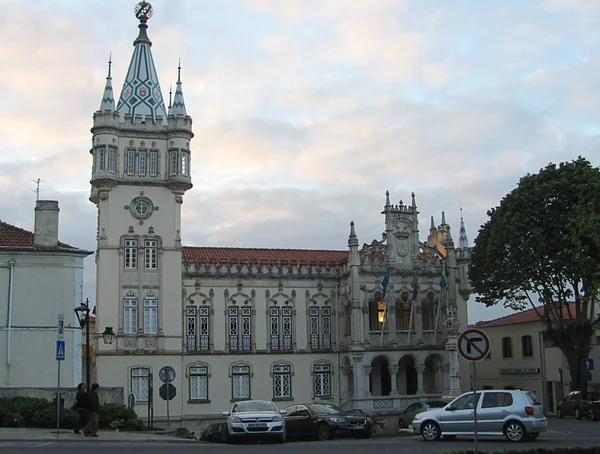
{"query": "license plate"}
(358, 427)
(257, 425)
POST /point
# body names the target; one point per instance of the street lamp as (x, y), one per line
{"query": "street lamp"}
(83, 315)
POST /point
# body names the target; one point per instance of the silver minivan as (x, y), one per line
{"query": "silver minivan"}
(517, 415)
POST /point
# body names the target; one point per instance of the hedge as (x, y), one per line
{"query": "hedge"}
(573, 450)
(38, 412)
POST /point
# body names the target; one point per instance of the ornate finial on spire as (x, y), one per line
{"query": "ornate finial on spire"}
(443, 218)
(387, 198)
(463, 241)
(143, 11)
(414, 203)
(170, 96)
(179, 72)
(108, 100)
(352, 239)
(432, 226)
(178, 102)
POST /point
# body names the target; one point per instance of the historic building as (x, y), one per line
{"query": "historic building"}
(372, 327)
(40, 278)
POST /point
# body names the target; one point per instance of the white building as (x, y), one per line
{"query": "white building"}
(40, 278)
(283, 324)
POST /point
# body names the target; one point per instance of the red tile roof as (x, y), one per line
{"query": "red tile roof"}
(526, 316)
(16, 238)
(284, 256)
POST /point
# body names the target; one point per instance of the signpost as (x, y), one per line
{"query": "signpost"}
(473, 345)
(587, 364)
(60, 356)
(167, 375)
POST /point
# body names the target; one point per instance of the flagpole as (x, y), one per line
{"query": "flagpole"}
(384, 285)
(412, 306)
(383, 322)
(440, 301)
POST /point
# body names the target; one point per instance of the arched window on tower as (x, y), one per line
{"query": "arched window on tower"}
(378, 318)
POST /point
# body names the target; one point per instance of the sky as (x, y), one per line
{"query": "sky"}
(305, 112)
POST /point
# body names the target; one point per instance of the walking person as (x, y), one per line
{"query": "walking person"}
(91, 429)
(81, 407)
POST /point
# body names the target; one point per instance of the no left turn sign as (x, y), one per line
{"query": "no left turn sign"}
(473, 344)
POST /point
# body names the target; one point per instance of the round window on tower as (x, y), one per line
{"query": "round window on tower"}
(141, 207)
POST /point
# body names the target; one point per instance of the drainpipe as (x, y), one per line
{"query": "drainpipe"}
(11, 270)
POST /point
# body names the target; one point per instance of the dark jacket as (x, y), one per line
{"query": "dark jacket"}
(93, 402)
(81, 401)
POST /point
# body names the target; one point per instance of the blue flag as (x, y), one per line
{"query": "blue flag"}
(386, 280)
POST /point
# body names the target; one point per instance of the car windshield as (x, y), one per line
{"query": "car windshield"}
(253, 405)
(324, 409)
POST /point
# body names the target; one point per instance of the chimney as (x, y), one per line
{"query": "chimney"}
(46, 223)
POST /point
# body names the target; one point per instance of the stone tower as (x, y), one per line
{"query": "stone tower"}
(141, 170)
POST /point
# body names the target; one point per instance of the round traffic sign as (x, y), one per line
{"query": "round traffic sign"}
(166, 374)
(473, 344)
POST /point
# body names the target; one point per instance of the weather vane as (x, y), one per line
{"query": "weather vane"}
(143, 11)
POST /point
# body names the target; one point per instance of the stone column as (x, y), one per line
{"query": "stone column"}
(419, 322)
(356, 370)
(365, 324)
(367, 373)
(392, 325)
(394, 379)
(420, 370)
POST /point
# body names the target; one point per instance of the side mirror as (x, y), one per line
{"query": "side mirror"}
(283, 412)
(450, 408)
(226, 413)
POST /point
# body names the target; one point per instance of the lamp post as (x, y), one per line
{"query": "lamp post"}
(83, 315)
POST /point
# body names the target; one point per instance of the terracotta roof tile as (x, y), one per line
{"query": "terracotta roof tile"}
(526, 316)
(16, 238)
(195, 254)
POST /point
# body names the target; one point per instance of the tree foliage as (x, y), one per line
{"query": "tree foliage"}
(541, 245)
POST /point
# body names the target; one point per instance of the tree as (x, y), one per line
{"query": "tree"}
(540, 248)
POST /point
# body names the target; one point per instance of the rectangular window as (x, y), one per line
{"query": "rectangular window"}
(233, 328)
(131, 254)
(112, 160)
(322, 380)
(140, 383)
(282, 382)
(130, 316)
(130, 162)
(526, 346)
(274, 326)
(100, 158)
(150, 316)
(153, 163)
(142, 163)
(326, 327)
(313, 324)
(199, 383)
(183, 163)
(240, 382)
(246, 329)
(151, 254)
(286, 326)
(191, 327)
(204, 328)
(506, 347)
(172, 162)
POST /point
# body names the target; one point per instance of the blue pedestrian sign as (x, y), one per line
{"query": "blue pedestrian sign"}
(587, 364)
(60, 350)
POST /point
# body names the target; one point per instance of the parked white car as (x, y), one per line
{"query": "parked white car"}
(518, 415)
(255, 419)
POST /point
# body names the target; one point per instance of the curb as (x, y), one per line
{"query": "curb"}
(92, 440)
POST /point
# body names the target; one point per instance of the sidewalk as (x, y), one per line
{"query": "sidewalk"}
(46, 435)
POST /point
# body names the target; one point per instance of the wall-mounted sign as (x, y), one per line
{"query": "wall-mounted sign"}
(520, 370)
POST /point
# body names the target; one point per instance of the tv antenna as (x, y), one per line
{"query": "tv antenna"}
(37, 188)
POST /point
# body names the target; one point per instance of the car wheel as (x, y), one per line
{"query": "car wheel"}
(559, 413)
(591, 415)
(449, 437)
(401, 424)
(514, 431)
(324, 431)
(430, 431)
(577, 413)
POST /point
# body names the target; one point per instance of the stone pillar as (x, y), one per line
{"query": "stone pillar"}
(356, 370)
(420, 371)
(394, 380)
(392, 325)
(419, 322)
(365, 324)
(367, 375)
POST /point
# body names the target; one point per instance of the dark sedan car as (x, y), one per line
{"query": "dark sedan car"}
(408, 414)
(324, 422)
